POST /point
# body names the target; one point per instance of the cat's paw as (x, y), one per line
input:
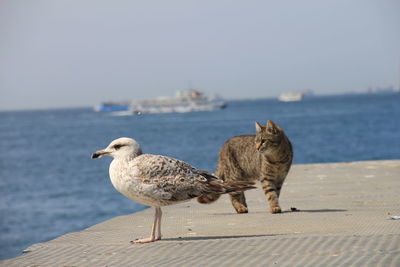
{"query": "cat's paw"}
(241, 210)
(276, 210)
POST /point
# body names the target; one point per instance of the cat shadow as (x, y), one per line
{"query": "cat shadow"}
(192, 238)
(314, 211)
(230, 213)
(284, 211)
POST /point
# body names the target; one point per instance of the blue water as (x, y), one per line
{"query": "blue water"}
(49, 185)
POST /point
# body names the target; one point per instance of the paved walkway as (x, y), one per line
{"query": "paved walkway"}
(344, 218)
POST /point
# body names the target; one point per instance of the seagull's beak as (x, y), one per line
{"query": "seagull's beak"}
(100, 153)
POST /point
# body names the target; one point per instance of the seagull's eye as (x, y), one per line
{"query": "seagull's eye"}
(116, 147)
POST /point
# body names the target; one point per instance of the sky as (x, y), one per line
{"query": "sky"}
(75, 53)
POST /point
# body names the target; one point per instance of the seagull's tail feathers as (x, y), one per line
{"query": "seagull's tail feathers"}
(219, 188)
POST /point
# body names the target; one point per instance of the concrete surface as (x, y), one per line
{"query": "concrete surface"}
(344, 219)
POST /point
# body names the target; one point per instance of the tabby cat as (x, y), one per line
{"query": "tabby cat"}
(265, 156)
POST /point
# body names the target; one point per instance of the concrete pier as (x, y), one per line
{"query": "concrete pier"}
(344, 218)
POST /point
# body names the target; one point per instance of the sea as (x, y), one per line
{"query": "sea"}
(50, 186)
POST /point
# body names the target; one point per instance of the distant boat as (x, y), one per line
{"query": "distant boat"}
(290, 97)
(112, 106)
(184, 101)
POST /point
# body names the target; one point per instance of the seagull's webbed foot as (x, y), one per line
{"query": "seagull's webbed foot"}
(145, 240)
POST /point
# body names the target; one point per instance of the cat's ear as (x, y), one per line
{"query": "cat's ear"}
(272, 127)
(258, 127)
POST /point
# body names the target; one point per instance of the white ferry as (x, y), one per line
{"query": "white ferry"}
(184, 101)
(290, 97)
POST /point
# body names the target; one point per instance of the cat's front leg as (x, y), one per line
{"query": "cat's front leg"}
(272, 194)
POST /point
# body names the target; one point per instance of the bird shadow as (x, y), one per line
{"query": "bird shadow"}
(191, 238)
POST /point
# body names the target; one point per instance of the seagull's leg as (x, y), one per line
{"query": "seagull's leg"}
(158, 223)
(155, 230)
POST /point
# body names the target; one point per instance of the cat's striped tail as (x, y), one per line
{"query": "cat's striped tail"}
(208, 199)
(227, 188)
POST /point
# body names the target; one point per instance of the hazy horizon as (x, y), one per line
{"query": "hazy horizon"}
(59, 54)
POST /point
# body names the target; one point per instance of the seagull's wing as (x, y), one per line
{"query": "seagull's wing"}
(175, 179)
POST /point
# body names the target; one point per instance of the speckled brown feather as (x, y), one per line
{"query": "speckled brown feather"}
(159, 180)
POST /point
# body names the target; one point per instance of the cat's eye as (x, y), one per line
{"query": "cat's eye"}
(261, 142)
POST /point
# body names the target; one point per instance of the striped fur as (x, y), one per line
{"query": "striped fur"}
(265, 157)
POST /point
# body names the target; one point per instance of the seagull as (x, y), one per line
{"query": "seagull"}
(155, 180)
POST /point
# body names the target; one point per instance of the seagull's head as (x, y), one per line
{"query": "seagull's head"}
(120, 148)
